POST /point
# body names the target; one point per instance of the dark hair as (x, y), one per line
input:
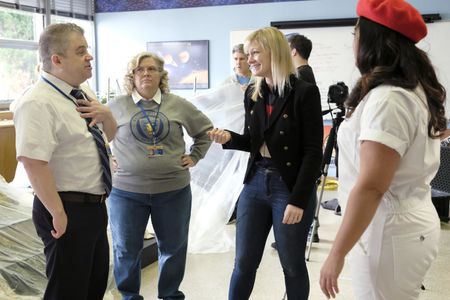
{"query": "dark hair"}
(300, 43)
(386, 57)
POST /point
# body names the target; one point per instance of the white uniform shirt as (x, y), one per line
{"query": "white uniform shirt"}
(49, 128)
(397, 118)
(392, 256)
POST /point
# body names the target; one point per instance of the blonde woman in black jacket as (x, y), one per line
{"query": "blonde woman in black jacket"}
(283, 133)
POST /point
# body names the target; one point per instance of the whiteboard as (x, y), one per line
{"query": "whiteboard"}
(332, 55)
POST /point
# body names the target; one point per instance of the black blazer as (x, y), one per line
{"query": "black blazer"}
(293, 135)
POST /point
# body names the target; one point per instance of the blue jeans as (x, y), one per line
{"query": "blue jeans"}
(261, 205)
(170, 213)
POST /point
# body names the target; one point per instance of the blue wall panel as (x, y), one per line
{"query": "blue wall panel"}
(125, 5)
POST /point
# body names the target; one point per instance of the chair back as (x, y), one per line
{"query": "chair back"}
(441, 181)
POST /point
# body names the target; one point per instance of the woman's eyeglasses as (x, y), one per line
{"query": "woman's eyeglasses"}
(142, 70)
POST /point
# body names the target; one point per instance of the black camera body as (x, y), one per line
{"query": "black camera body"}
(337, 93)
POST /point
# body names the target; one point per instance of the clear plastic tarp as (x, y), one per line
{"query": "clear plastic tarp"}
(217, 179)
(22, 263)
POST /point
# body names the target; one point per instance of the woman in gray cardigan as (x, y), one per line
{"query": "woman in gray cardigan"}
(152, 177)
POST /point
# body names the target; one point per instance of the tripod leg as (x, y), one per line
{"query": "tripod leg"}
(316, 215)
(330, 145)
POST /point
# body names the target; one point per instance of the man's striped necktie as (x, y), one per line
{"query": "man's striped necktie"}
(101, 147)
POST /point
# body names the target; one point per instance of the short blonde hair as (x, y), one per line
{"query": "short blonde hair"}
(134, 63)
(271, 39)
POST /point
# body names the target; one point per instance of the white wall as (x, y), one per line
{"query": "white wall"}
(332, 57)
(121, 35)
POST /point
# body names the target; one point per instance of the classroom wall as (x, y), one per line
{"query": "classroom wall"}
(121, 35)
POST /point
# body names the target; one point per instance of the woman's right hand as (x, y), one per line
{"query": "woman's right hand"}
(219, 135)
(292, 214)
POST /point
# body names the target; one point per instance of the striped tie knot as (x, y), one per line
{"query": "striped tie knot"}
(77, 93)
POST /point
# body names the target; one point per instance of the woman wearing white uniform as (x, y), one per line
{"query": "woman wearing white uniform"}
(389, 153)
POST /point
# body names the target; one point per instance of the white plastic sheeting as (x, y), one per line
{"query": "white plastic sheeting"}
(22, 262)
(217, 179)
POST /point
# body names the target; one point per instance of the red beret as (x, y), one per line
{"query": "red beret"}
(397, 15)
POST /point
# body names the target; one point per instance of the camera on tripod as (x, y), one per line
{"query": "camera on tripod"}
(337, 93)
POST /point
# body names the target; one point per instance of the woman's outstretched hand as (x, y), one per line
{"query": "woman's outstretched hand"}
(219, 135)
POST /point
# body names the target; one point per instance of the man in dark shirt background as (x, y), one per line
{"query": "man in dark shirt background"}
(301, 48)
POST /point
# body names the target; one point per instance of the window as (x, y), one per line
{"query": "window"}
(21, 23)
(18, 52)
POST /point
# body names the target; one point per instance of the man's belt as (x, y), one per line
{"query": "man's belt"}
(79, 197)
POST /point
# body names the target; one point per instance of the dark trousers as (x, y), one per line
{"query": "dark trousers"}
(77, 263)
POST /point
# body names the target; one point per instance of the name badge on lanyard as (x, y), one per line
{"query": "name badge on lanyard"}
(152, 150)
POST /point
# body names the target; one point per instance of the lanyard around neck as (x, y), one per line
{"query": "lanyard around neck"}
(88, 120)
(153, 125)
(59, 90)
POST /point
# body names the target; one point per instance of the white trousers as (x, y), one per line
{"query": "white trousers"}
(395, 252)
